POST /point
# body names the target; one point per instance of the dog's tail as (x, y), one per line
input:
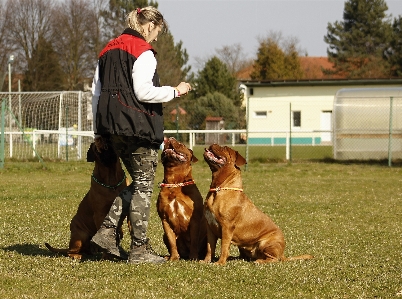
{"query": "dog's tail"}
(56, 250)
(298, 257)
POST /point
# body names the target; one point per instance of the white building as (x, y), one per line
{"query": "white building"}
(301, 109)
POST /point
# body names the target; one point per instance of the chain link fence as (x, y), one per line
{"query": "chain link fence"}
(368, 124)
(58, 125)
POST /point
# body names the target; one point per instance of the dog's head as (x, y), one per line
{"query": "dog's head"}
(220, 156)
(101, 150)
(176, 153)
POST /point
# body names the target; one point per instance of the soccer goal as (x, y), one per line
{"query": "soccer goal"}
(46, 125)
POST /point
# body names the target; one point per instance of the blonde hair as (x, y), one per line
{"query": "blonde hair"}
(140, 16)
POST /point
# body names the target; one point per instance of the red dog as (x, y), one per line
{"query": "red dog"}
(233, 217)
(108, 180)
(180, 204)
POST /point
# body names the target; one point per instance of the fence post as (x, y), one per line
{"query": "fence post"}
(79, 128)
(67, 133)
(390, 133)
(191, 140)
(11, 144)
(3, 114)
(247, 129)
(33, 143)
(289, 143)
(60, 118)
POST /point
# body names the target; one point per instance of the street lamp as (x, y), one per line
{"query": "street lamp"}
(10, 61)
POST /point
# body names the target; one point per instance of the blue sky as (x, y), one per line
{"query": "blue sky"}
(205, 25)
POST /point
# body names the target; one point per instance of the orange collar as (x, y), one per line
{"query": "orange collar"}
(217, 189)
(176, 185)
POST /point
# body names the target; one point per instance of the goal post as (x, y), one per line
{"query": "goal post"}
(54, 124)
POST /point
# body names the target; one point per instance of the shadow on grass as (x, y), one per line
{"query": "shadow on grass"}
(36, 250)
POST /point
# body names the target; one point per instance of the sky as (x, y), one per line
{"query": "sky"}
(206, 25)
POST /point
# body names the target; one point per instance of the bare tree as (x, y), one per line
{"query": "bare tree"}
(27, 22)
(98, 37)
(6, 47)
(234, 58)
(72, 32)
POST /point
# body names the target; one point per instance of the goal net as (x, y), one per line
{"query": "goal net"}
(53, 125)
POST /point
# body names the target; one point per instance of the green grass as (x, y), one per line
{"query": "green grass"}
(347, 216)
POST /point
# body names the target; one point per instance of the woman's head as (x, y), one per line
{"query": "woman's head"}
(148, 21)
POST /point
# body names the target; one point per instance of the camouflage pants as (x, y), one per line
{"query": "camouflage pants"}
(140, 161)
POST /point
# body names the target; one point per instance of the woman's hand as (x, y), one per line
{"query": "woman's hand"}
(183, 88)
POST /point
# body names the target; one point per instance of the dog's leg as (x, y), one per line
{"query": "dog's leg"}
(171, 236)
(211, 246)
(227, 234)
(271, 249)
(195, 239)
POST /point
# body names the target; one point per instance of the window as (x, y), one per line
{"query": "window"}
(296, 119)
(260, 114)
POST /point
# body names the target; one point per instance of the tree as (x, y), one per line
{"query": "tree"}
(357, 45)
(72, 30)
(215, 77)
(115, 15)
(395, 51)
(172, 60)
(212, 104)
(172, 69)
(277, 59)
(44, 72)
(6, 46)
(97, 39)
(28, 21)
(234, 58)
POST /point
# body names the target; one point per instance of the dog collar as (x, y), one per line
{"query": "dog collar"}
(217, 189)
(176, 185)
(108, 186)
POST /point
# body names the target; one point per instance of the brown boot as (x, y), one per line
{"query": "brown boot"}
(106, 240)
(144, 254)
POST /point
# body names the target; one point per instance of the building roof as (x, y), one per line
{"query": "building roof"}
(322, 82)
(181, 110)
(312, 67)
(213, 118)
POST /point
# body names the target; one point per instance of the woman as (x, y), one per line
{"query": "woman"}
(127, 107)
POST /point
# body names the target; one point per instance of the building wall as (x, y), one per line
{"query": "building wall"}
(271, 108)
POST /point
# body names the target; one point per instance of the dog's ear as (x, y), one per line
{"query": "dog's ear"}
(240, 160)
(90, 153)
(99, 143)
(193, 158)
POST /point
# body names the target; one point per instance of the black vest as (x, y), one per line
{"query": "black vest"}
(119, 111)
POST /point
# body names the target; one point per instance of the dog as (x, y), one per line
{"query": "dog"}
(107, 181)
(232, 217)
(180, 204)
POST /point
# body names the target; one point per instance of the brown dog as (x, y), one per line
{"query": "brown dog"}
(180, 204)
(232, 216)
(108, 180)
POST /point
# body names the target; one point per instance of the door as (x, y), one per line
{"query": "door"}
(326, 125)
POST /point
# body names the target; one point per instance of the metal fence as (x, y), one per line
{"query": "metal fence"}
(58, 125)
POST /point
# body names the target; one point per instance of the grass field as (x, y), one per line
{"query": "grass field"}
(347, 215)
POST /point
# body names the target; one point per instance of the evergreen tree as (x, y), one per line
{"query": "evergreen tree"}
(115, 16)
(215, 77)
(395, 51)
(44, 72)
(357, 45)
(273, 63)
(212, 104)
(171, 68)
